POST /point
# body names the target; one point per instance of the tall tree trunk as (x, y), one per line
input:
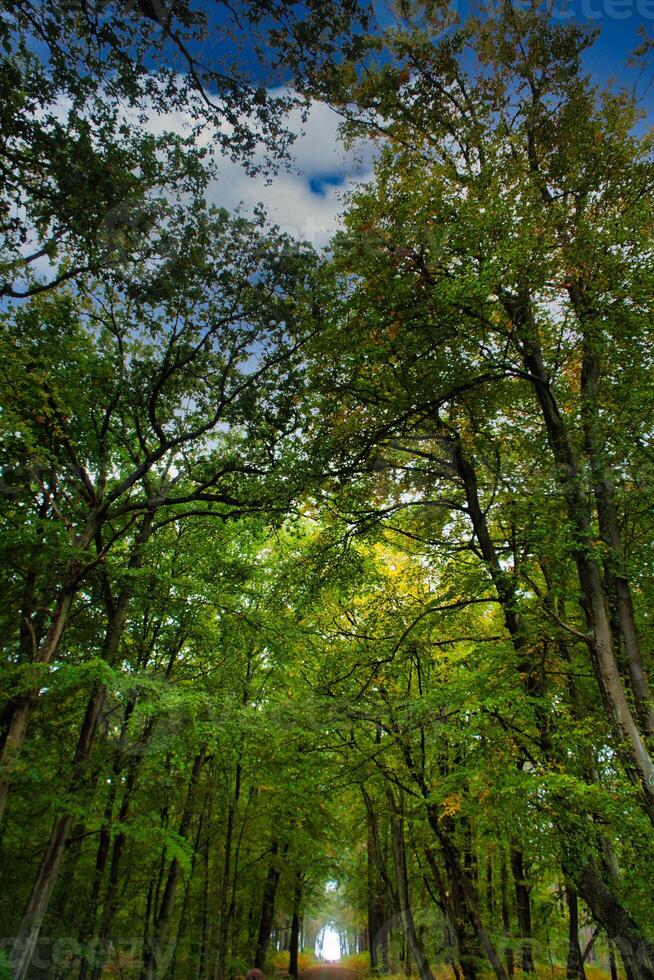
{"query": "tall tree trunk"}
(294, 942)
(377, 917)
(457, 873)
(156, 958)
(203, 958)
(490, 892)
(523, 910)
(88, 930)
(603, 489)
(506, 918)
(19, 711)
(252, 925)
(385, 878)
(636, 951)
(575, 963)
(612, 964)
(38, 901)
(634, 752)
(588, 876)
(452, 901)
(33, 616)
(267, 914)
(414, 946)
(225, 905)
(456, 870)
(30, 927)
(184, 914)
(110, 902)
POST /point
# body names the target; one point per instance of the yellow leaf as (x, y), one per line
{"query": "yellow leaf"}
(451, 805)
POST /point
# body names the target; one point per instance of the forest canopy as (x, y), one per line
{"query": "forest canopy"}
(327, 573)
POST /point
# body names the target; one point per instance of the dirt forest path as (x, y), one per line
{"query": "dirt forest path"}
(330, 971)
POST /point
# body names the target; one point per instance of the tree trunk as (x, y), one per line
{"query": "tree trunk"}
(523, 910)
(490, 893)
(203, 958)
(225, 905)
(183, 918)
(604, 493)
(294, 944)
(110, 903)
(39, 899)
(156, 958)
(42, 889)
(457, 873)
(506, 919)
(452, 901)
(638, 762)
(636, 951)
(19, 710)
(590, 874)
(267, 908)
(88, 930)
(377, 918)
(575, 964)
(414, 946)
(612, 964)
(30, 927)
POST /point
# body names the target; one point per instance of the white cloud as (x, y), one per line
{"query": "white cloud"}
(298, 199)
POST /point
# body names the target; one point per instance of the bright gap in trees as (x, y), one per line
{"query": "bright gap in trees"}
(331, 946)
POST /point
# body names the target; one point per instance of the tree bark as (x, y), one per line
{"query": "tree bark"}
(490, 891)
(590, 875)
(456, 870)
(183, 918)
(225, 905)
(612, 963)
(506, 918)
(20, 710)
(39, 899)
(523, 910)
(453, 903)
(294, 942)
(458, 874)
(638, 762)
(414, 945)
(109, 902)
(203, 958)
(636, 951)
(377, 917)
(156, 958)
(267, 908)
(604, 493)
(575, 963)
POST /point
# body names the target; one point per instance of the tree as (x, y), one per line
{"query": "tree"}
(482, 283)
(328, 570)
(175, 432)
(85, 171)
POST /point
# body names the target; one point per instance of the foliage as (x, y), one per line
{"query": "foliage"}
(327, 579)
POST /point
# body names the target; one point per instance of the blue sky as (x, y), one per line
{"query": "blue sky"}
(306, 201)
(306, 198)
(618, 21)
(607, 59)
